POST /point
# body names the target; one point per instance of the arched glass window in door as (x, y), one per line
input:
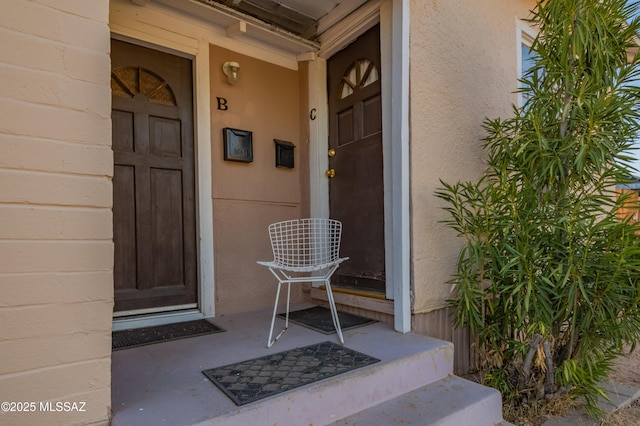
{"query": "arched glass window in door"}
(129, 81)
(360, 74)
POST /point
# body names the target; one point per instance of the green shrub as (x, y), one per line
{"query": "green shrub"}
(548, 278)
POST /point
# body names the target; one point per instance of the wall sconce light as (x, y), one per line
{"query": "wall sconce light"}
(231, 70)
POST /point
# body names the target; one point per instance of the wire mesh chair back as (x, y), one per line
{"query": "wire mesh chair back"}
(301, 243)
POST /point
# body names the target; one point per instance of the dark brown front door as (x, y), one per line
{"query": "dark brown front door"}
(355, 134)
(154, 227)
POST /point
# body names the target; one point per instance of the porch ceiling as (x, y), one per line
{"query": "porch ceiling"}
(293, 25)
(306, 19)
(299, 17)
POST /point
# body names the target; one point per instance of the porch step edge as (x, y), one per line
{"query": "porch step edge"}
(340, 396)
(452, 401)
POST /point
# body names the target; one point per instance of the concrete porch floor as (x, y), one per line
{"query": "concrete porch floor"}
(163, 383)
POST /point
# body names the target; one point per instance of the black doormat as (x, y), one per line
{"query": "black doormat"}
(259, 378)
(319, 319)
(125, 339)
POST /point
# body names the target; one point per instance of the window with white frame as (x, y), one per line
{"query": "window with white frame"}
(526, 57)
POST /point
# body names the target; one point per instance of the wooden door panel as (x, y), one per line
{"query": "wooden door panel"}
(154, 179)
(360, 202)
(166, 227)
(122, 128)
(356, 193)
(124, 235)
(372, 116)
(165, 137)
(345, 128)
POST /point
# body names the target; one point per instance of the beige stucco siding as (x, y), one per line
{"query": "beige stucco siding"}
(463, 68)
(56, 283)
(247, 197)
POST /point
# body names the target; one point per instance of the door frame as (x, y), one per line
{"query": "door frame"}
(393, 16)
(198, 53)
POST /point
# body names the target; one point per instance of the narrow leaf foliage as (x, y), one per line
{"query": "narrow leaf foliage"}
(548, 250)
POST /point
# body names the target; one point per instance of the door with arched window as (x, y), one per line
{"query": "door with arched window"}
(356, 190)
(154, 231)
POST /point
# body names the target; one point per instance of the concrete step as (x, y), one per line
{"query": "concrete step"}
(452, 401)
(413, 382)
(324, 402)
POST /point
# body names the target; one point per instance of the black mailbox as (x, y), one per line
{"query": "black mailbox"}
(284, 154)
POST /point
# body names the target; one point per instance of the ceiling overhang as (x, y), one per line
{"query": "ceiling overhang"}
(292, 25)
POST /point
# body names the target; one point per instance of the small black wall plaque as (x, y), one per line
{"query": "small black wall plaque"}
(284, 154)
(238, 145)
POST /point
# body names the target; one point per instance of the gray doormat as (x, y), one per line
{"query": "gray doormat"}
(259, 378)
(125, 339)
(318, 318)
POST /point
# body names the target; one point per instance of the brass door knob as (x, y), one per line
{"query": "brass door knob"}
(331, 153)
(330, 173)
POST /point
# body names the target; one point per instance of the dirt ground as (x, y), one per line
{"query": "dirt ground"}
(629, 416)
(627, 371)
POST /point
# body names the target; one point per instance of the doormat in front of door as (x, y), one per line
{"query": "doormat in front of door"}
(259, 378)
(125, 339)
(318, 318)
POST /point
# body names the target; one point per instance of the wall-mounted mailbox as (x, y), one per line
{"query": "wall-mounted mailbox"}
(238, 145)
(284, 154)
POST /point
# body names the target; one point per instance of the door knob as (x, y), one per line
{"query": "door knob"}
(331, 153)
(330, 173)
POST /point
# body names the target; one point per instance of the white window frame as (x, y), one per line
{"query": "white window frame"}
(524, 36)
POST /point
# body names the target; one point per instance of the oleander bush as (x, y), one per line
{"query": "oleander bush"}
(548, 277)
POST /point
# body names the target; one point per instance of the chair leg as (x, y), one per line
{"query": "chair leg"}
(286, 316)
(270, 342)
(334, 311)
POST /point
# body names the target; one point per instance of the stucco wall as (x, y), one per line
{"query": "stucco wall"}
(463, 69)
(247, 197)
(56, 285)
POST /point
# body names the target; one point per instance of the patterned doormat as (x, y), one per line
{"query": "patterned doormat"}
(259, 378)
(125, 339)
(318, 318)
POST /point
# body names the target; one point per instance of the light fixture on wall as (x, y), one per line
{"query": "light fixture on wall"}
(231, 70)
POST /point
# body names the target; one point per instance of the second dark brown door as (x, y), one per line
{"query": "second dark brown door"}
(153, 183)
(356, 192)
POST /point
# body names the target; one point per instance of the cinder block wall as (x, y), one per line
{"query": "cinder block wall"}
(56, 251)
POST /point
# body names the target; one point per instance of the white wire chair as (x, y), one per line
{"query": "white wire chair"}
(304, 250)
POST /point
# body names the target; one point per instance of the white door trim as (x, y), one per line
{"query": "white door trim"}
(198, 51)
(393, 16)
(401, 233)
